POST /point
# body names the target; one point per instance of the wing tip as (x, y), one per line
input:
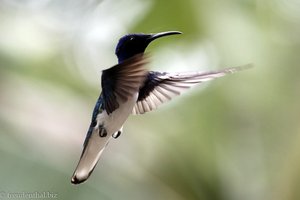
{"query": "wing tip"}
(240, 68)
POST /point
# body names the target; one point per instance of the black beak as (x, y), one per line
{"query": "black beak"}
(162, 34)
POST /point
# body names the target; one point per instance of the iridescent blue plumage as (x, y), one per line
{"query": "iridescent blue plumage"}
(120, 88)
(97, 109)
(127, 88)
(130, 45)
(133, 44)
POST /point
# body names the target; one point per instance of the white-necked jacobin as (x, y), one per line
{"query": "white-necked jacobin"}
(128, 88)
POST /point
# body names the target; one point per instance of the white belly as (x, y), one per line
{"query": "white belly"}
(96, 144)
(113, 122)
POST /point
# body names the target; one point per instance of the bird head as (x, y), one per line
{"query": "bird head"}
(133, 44)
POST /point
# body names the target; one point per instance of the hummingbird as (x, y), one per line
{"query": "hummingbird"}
(128, 88)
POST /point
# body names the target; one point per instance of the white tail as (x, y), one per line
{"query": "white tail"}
(89, 158)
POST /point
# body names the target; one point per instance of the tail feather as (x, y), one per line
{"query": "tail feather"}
(93, 148)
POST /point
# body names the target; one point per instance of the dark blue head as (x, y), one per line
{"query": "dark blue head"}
(132, 44)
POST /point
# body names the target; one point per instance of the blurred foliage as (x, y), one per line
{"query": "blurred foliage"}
(235, 138)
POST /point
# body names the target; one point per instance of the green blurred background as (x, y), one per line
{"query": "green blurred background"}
(234, 138)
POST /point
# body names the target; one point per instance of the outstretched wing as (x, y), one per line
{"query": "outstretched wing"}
(162, 87)
(122, 81)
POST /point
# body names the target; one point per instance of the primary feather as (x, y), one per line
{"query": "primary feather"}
(162, 87)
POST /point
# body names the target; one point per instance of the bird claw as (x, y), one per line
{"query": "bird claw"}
(116, 134)
(102, 132)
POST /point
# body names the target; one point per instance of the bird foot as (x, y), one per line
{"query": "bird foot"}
(102, 131)
(116, 134)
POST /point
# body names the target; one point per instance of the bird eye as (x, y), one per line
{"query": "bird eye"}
(131, 38)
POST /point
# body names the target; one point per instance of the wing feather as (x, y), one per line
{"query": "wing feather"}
(122, 81)
(159, 87)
